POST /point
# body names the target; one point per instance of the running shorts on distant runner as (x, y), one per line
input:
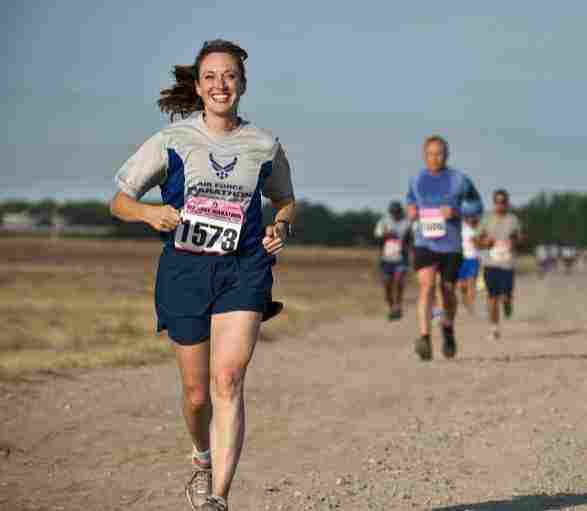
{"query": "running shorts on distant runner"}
(447, 264)
(498, 281)
(469, 269)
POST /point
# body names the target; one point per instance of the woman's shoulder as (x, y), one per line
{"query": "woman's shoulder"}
(262, 135)
(260, 138)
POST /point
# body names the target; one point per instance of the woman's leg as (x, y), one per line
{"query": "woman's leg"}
(233, 339)
(194, 363)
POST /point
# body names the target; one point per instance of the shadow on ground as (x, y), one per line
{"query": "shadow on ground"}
(524, 358)
(523, 503)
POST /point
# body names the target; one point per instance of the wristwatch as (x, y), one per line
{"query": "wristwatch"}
(288, 226)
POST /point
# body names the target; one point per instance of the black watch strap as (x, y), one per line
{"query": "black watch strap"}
(288, 226)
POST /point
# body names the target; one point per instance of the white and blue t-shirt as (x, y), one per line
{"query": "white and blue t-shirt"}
(393, 235)
(185, 160)
(429, 192)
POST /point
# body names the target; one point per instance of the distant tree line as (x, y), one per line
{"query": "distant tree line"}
(556, 218)
(549, 218)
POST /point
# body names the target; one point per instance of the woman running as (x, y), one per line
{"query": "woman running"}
(214, 278)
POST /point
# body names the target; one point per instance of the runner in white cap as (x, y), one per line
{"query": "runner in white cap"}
(394, 231)
(214, 278)
(469, 270)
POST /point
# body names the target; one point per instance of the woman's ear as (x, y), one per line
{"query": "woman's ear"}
(197, 87)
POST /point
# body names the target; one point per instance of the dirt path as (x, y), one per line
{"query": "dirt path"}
(345, 418)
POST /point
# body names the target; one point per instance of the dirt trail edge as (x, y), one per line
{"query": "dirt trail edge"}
(343, 418)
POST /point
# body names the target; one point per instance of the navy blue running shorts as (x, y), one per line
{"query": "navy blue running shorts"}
(190, 288)
(498, 281)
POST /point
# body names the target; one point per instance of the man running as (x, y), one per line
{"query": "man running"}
(393, 229)
(469, 270)
(434, 198)
(501, 234)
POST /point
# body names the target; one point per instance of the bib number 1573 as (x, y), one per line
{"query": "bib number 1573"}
(207, 235)
(209, 226)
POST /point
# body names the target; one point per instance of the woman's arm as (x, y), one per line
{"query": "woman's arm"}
(276, 234)
(161, 218)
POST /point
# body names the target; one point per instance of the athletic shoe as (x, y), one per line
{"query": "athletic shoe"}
(394, 315)
(507, 309)
(214, 503)
(424, 347)
(199, 487)
(449, 346)
(437, 313)
(272, 310)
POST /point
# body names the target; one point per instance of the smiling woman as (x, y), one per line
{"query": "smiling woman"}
(183, 98)
(214, 279)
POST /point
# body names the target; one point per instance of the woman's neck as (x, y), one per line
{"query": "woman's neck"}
(221, 125)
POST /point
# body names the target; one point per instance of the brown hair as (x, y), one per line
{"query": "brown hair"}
(439, 140)
(181, 98)
(501, 192)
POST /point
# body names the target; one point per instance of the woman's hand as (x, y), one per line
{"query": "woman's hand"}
(274, 239)
(163, 218)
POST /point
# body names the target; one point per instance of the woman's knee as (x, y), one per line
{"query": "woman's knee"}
(227, 383)
(197, 395)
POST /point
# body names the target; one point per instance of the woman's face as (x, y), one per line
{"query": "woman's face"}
(219, 84)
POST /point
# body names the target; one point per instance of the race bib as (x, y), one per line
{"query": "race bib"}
(432, 223)
(209, 226)
(501, 252)
(392, 250)
(469, 248)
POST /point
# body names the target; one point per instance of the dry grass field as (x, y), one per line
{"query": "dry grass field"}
(82, 304)
(89, 303)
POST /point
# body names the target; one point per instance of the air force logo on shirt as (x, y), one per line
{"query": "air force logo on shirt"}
(222, 171)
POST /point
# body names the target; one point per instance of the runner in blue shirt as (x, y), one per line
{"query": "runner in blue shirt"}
(434, 200)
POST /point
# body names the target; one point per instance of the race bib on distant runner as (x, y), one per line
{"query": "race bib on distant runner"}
(501, 252)
(209, 226)
(432, 223)
(469, 248)
(392, 250)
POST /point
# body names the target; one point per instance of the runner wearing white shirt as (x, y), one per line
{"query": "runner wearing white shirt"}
(469, 269)
(394, 231)
(501, 233)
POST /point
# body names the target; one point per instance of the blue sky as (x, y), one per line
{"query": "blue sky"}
(351, 89)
